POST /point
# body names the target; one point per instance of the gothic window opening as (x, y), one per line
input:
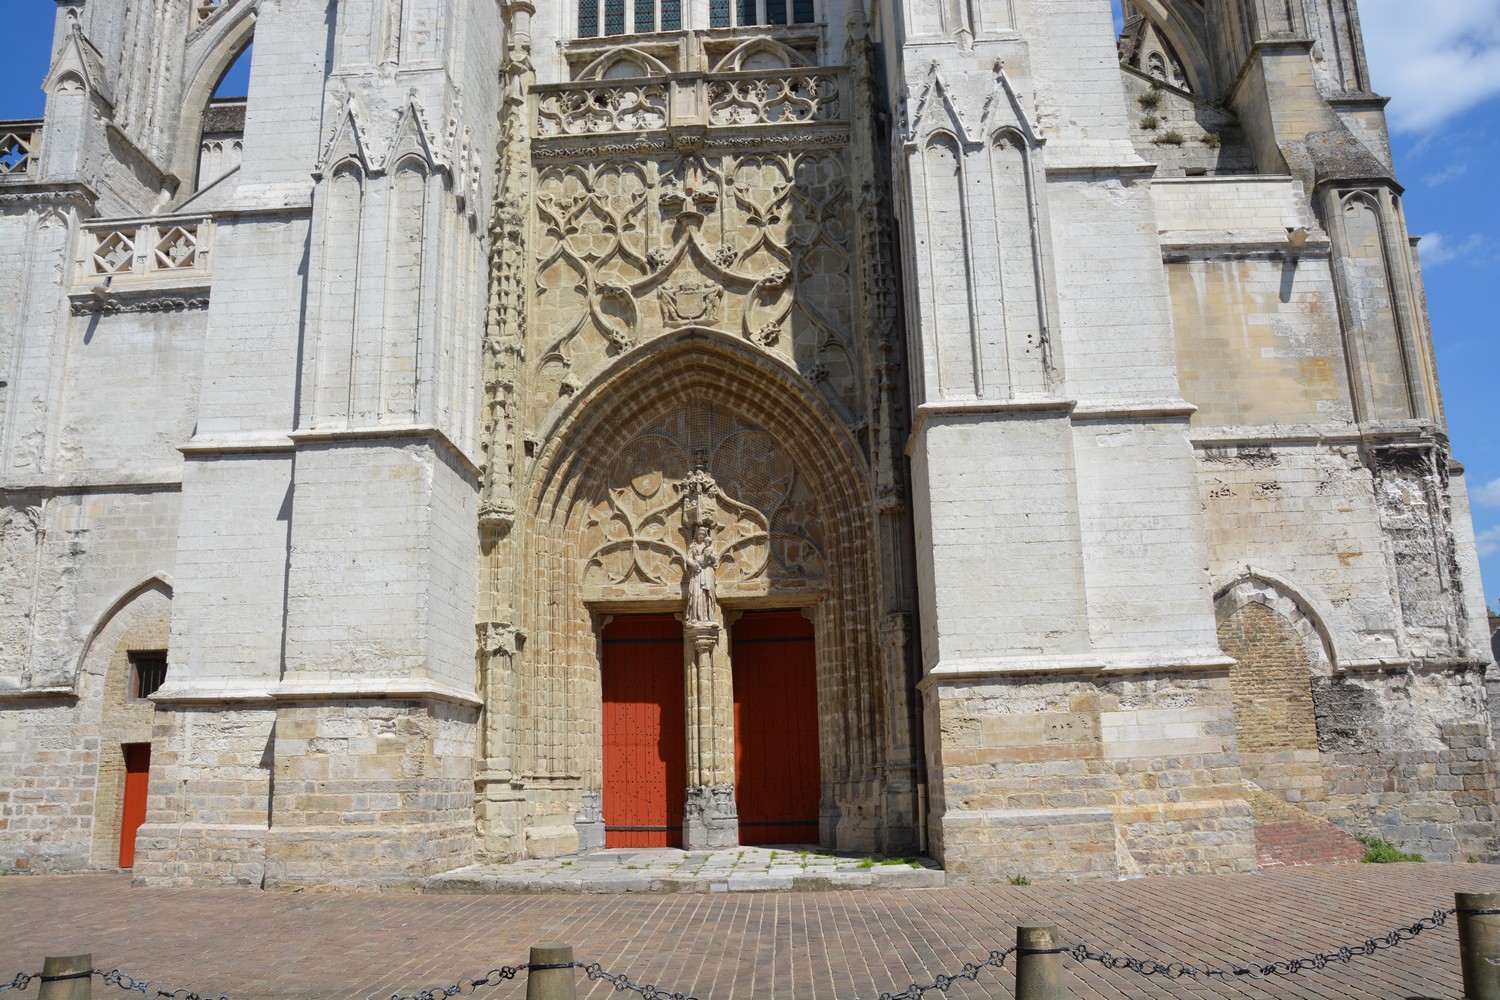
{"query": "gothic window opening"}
(606, 18)
(748, 13)
(222, 143)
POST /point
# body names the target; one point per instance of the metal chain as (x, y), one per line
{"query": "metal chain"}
(970, 972)
(1287, 967)
(465, 985)
(622, 982)
(22, 980)
(114, 977)
(941, 984)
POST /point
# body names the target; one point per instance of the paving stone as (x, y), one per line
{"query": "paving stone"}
(280, 944)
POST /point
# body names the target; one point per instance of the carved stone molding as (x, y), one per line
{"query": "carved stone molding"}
(144, 301)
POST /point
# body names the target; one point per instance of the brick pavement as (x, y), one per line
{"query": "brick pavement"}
(251, 944)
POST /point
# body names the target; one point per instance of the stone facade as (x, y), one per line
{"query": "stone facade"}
(1076, 387)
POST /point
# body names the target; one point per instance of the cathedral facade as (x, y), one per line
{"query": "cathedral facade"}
(518, 430)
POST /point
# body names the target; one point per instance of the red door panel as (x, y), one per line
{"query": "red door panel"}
(137, 770)
(645, 739)
(776, 770)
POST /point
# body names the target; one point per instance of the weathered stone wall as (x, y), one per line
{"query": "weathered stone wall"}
(61, 767)
(370, 795)
(1087, 777)
(206, 808)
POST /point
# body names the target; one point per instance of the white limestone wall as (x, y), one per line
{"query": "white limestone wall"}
(382, 575)
(129, 396)
(1145, 561)
(999, 575)
(231, 570)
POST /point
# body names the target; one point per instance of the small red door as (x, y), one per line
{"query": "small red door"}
(137, 770)
(777, 776)
(645, 735)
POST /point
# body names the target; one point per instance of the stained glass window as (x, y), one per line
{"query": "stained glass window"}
(645, 15)
(588, 18)
(671, 15)
(614, 17)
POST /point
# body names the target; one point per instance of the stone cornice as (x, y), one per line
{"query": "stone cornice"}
(108, 302)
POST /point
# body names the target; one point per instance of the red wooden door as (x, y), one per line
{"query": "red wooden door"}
(137, 770)
(645, 735)
(776, 770)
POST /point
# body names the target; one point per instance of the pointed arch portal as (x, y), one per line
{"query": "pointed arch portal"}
(696, 466)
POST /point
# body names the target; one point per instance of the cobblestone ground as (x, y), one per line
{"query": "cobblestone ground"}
(250, 944)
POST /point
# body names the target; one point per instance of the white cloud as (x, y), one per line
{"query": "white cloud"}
(1436, 59)
(1444, 176)
(1489, 541)
(1487, 495)
(1436, 248)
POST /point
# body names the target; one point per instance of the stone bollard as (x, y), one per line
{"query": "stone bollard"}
(550, 975)
(1039, 964)
(1479, 944)
(66, 977)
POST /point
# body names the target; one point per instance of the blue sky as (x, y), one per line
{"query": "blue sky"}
(1438, 61)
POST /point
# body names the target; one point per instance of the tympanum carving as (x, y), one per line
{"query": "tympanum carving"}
(663, 522)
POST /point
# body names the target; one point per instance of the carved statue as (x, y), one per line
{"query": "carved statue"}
(701, 565)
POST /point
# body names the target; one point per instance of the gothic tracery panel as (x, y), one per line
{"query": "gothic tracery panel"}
(767, 533)
(754, 244)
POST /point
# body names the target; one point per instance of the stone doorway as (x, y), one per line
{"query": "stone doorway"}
(133, 812)
(645, 740)
(777, 770)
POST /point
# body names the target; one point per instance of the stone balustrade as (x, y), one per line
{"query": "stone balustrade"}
(20, 145)
(158, 249)
(782, 97)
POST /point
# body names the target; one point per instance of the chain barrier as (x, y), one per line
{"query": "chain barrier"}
(504, 972)
(970, 972)
(622, 982)
(1343, 955)
(114, 977)
(1287, 967)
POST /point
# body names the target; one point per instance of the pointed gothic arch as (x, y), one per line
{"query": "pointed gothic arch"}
(139, 620)
(210, 54)
(604, 534)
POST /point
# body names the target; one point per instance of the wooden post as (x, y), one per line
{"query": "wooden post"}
(551, 975)
(1479, 944)
(73, 982)
(1039, 964)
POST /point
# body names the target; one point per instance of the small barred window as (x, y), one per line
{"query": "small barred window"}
(149, 672)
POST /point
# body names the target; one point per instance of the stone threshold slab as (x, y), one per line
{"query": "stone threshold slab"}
(667, 870)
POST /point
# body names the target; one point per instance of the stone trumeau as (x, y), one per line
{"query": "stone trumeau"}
(525, 429)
